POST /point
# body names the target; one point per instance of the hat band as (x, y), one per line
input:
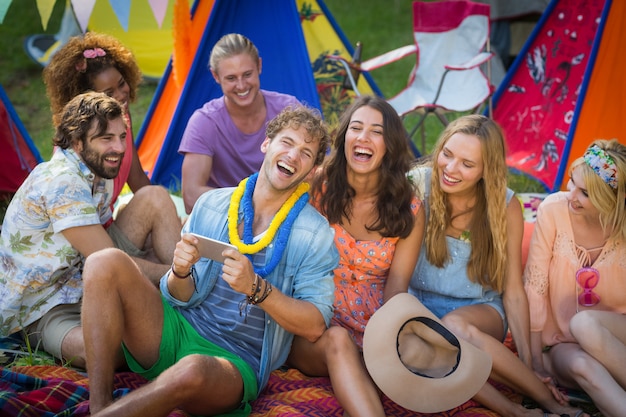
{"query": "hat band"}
(443, 332)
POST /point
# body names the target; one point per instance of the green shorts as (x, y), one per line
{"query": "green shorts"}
(180, 339)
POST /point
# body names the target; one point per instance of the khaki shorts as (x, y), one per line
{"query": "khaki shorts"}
(48, 332)
(123, 243)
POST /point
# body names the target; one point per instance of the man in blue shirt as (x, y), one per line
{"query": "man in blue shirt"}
(211, 337)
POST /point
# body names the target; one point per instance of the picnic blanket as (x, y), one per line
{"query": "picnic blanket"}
(55, 391)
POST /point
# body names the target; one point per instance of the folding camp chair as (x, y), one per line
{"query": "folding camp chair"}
(451, 43)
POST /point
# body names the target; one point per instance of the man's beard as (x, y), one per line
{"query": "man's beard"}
(95, 162)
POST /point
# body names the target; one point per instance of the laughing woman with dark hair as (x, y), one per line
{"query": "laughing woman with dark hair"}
(368, 200)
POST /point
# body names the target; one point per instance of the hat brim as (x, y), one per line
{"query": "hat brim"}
(408, 389)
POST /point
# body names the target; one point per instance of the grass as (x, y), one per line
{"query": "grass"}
(25, 355)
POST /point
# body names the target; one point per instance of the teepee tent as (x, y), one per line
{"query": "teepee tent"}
(293, 38)
(19, 154)
(565, 89)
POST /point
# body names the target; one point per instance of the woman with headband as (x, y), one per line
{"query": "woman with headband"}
(575, 279)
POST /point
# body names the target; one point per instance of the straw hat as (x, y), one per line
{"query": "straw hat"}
(417, 362)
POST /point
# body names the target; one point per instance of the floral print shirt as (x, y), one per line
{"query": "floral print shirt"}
(39, 268)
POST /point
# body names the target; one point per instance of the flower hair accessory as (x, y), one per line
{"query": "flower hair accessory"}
(602, 164)
(92, 53)
(81, 65)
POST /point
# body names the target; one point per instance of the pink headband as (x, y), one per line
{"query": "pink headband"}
(81, 66)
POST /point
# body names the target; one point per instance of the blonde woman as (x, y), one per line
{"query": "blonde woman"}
(469, 272)
(575, 279)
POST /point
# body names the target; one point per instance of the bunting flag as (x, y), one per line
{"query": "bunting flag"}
(82, 11)
(4, 6)
(159, 8)
(45, 10)
(150, 42)
(122, 11)
(84, 8)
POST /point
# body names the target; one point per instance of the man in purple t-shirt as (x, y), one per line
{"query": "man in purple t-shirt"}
(222, 140)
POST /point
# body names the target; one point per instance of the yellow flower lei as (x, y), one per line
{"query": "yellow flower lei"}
(233, 217)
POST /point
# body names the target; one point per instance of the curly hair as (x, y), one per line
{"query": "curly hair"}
(610, 202)
(488, 225)
(77, 117)
(395, 191)
(302, 116)
(70, 73)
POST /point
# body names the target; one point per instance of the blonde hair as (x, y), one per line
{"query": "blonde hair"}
(610, 202)
(488, 231)
(231, 45)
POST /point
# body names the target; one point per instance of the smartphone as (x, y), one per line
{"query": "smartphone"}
(212, 248)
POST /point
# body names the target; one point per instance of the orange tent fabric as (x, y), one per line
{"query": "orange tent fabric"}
(604, 106)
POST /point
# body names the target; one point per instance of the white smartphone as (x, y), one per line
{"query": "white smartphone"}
(212, 248)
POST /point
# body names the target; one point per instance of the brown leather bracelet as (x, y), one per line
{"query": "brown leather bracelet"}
(179, 276)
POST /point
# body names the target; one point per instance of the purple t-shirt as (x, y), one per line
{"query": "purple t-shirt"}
(211, 131)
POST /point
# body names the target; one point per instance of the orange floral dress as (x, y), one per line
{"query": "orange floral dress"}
(360, 278)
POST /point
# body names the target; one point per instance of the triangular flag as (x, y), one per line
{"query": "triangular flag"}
(82, 11)
(159, 7)
(4, 6)
(122, 11)
(45, 10)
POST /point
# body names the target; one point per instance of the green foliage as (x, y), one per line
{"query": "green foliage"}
(26, 356)
(4, 203)
(20, 76)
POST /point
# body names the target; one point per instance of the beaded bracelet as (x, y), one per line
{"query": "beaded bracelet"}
(256, 297)
(254, 285)
(266, 292)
